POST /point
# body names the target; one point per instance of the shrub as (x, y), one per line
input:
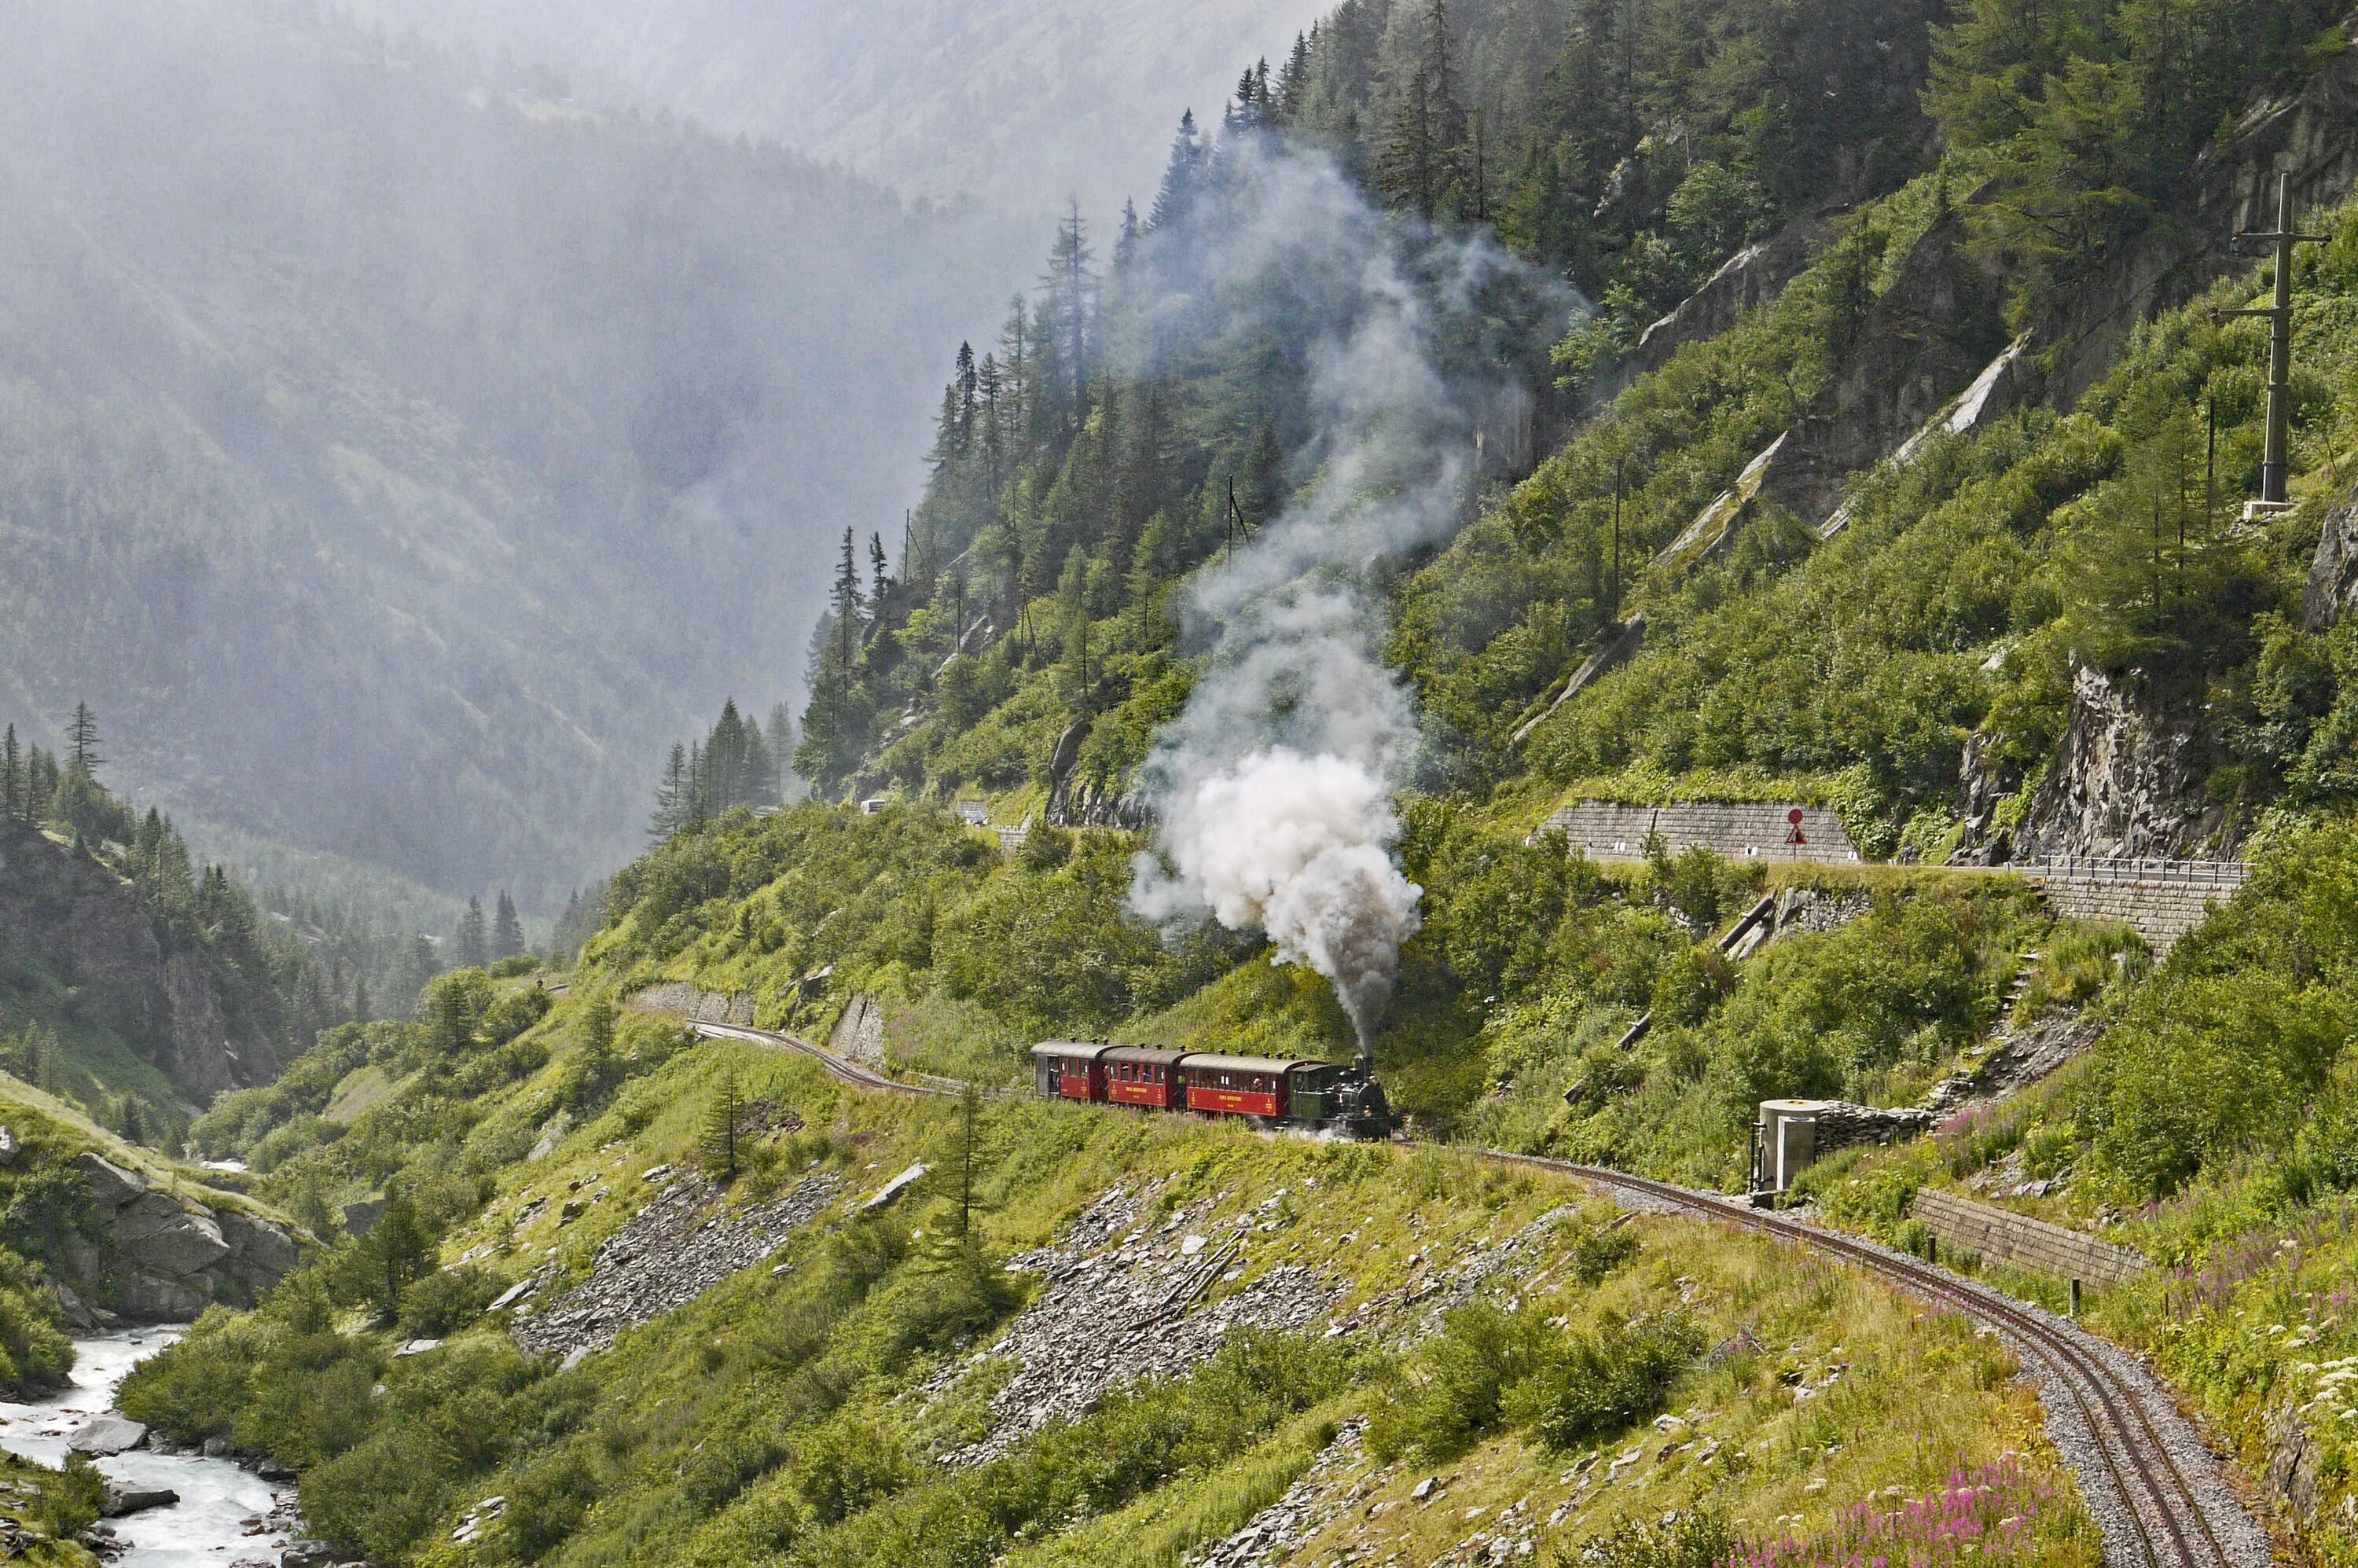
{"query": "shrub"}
(1603, 1382)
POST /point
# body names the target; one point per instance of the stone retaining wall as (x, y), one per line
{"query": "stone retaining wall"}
(1608, 831)
(684, 1000)
(2161, 911)
(2000, 1236)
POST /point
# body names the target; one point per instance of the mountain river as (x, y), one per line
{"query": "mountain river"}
(226, 1516)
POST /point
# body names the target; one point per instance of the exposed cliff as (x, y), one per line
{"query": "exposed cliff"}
(2128, 780)
(81, 951)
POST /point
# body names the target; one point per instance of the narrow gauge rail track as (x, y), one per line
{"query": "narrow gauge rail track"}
(838, 1067)
(2166, 1519)
(2156, 1516)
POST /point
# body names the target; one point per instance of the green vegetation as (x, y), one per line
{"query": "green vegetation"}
(777, 1419)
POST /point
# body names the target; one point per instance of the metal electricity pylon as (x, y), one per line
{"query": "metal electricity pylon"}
(2276, 464)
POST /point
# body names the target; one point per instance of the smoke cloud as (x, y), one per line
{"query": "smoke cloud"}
(1274, 787)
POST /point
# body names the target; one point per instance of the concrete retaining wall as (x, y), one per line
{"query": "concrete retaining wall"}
(1999, 1236)
(1608, 831)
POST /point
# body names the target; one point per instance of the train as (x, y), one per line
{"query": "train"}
(1277, 1092)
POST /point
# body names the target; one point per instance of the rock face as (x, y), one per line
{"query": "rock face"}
(1933, 332)
(2332, 590)
(860, 1033)
(2128, 781)
(73, 919)
(671, 1253)
(150, 1256)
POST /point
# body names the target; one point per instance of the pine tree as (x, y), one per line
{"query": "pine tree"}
(507, 931)
(81, 737)
(359, 999)
(15, 802)
(881, 582)
(474, 942)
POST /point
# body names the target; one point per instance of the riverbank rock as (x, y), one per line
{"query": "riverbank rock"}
(153, 1256)
(119, 1499)
(105, 1435)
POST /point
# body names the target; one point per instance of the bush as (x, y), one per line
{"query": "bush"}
(447, 1299)
(1601, 1383)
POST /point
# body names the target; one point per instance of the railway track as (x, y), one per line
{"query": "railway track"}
(2136, 1449)
(2130, 1446)
(837, 1067)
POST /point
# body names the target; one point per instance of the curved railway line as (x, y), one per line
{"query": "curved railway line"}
(2137, 1445)
(2131, 1447)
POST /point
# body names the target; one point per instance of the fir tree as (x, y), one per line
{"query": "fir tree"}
(507, 931)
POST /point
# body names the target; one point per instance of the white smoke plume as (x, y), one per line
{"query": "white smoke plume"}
(1274, 787)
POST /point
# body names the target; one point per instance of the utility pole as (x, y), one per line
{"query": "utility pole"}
(2276, 464)
(1619, 464)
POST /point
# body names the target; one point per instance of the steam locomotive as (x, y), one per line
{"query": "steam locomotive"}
(1267, 1091)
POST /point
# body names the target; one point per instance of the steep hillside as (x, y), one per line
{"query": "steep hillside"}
(1419, 1353)
(397, 456)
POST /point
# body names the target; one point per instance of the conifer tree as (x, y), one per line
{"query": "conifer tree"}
(671, 796)
(81, 738)
(1181, 177)
(507, 931)
(15, 802)
(723, 1127)
(847, 607)
(881, 581)
(1068, 284)
(474, 939)
(1293, 82)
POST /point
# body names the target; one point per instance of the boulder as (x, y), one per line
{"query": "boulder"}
(9, 1148)
(153, 1298)
(120, 1499)
(111, 1186)
(361, 1217)
(105, 1434)
(309, 1555)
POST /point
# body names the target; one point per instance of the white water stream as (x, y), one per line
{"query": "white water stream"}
(220, 1503)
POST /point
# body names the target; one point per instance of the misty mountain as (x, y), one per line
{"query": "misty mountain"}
(1021, 102)
(393, 457)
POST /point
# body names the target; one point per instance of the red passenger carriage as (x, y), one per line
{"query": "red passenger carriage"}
(1138, 1075)
(1070, 1069)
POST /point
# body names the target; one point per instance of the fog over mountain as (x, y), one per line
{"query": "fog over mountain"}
(395, 458)
(1021, 102)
